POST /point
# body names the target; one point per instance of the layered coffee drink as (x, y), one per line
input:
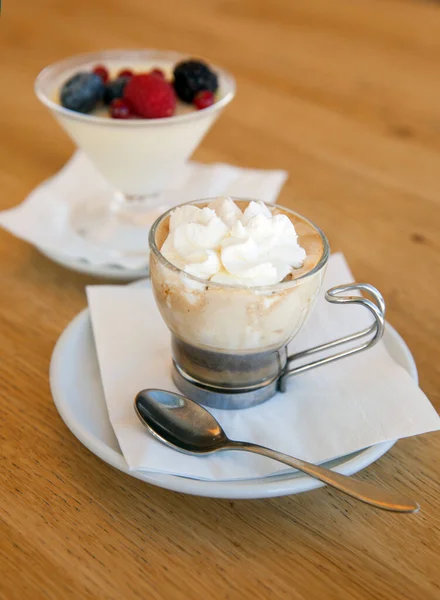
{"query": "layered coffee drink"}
(234, 281)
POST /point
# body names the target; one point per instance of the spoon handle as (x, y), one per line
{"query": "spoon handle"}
(361, 490)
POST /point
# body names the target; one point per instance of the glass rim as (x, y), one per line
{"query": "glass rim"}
(213, 284)
(78, 59)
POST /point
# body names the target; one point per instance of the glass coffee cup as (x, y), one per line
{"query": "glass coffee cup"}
(229, 342)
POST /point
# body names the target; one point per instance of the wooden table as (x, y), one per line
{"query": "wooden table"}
(345, 96)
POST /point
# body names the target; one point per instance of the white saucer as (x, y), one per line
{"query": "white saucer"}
(77, 391)
(108, 271)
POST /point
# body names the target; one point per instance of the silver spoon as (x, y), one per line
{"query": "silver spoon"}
(188, 427)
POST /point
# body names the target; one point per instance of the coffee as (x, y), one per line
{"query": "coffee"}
(229, 341)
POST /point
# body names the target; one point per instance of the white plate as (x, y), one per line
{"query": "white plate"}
(114, 272)
(77, 391)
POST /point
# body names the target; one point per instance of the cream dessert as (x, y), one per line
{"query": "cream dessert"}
(138, 156)
(235, 277)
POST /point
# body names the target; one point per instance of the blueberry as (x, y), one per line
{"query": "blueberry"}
(115, 89)
(192, 76)
(82, 92)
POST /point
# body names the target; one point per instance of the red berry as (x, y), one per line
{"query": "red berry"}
(150, 96)
(102, 72)
(158, 72)
(125, 73)
(204, 99)
(120, 109)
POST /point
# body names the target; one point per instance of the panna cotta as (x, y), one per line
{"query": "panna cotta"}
(139, 155)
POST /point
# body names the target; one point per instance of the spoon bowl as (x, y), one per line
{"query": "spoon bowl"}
(171, 418)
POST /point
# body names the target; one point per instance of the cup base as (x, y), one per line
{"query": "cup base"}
(231, 370)
(217, 398)
(117, 223)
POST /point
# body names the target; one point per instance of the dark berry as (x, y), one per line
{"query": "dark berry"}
(193, 76)
(125, 73)
(82, 92)
(120, 109)
(115, 89)
(158, 72)
(102, 72)
(204, 99)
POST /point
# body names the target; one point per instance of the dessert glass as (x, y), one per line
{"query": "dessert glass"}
(229, 342)
(138, 157)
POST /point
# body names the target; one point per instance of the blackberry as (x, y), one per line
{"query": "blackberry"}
(192, 76)
(82, 92)
(115, 89)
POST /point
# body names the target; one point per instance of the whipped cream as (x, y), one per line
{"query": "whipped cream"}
(223, 244)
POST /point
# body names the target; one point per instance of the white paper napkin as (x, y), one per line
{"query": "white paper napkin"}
(43, 218)
(328, 412)
(325, 413)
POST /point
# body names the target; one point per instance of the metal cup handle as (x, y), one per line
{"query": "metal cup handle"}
(336, 295)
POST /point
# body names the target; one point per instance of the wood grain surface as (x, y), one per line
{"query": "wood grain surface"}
(345, 96)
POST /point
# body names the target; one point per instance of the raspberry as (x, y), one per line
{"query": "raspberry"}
(192, 76)
(125, 73)
(150, 96)
(120, 109)
(102, 72)
(204, 99)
